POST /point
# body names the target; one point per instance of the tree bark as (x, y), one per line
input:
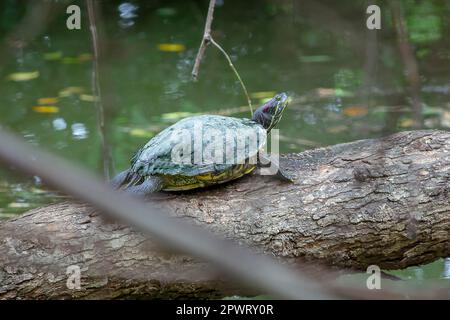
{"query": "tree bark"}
(381, 201)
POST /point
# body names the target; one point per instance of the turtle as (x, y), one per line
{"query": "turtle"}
(186, 155)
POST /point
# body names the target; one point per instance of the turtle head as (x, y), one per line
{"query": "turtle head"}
(270, 112)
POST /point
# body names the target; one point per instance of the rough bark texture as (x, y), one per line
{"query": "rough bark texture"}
(382, 201)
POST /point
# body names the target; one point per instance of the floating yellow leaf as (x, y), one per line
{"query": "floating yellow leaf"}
(325, 92)
(53, 55)
(330, 92)
(38, 191)
(445, 120)
(171, 47)
(85, 57)
(141, 133)
(88, 98)
(49, 100)
(262, 94)
(69, 91)
(46, 109)
(355, 111)
(23, 76)
(406, 123)
(337, 129)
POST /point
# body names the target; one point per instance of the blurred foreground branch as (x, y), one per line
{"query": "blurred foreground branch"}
(382, 202)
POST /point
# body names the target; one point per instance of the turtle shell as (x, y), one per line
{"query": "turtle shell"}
(199, 145)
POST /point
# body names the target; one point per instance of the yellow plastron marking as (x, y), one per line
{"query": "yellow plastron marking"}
(250, 169)
(185, 187)
(175, 183)
(213, 177)
(236, 172)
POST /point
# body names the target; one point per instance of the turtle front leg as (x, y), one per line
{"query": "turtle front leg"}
(265, 160)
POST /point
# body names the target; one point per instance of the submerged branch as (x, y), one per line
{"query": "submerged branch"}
(106, 152)
(409, 62)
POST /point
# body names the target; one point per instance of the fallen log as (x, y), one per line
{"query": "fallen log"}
(380, 201)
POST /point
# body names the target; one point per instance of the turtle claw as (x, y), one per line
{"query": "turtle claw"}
(266, 160)
(280, 174)
(283, 175)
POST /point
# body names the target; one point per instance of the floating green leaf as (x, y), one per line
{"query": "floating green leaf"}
(88, 98)
(141, 133)
(166, 12)
(52, 56)
(262, 94)
(23, 76)
(18, 205)
(431, 111)
(343, 93)
(70, 60)
(7, 215)
(315, 59)
(174, 116)
(70, 91)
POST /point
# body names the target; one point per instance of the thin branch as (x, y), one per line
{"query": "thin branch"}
(106, 155)
(207, 38)
(235, 72)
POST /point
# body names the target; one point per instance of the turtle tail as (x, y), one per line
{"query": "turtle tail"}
(135, 183)
(149, 185)
(121, 179)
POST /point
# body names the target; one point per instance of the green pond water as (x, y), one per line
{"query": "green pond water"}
(346, 81)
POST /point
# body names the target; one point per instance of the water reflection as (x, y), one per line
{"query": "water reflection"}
(446, 274)
(127, 14)
(59, 124)
(79, 131)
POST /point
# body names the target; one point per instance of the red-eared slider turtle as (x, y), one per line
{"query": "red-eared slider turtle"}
(203, 150)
